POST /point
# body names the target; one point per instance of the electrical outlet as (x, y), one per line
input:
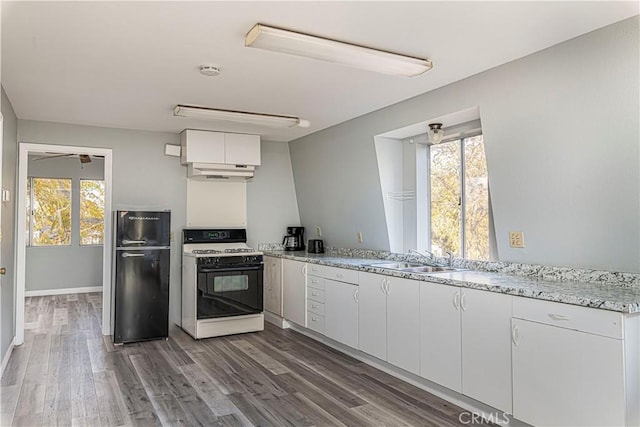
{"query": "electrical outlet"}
(516, 239)
(359, 236)
(318, 231)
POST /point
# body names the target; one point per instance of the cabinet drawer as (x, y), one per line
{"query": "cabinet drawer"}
(334, 273)
(315, 307)
(315, 322)
(590, 320)
(315, 294)
(315, 282)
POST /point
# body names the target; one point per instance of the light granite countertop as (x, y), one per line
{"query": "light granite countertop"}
(622, 297)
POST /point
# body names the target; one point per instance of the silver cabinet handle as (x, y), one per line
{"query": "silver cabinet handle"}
(304, 269)
(128, 255)
(315, 294)
(314, 281)
(355, 296)
(133, 242)
(386, 286)
(314, 319)
(558, 316)
(456, 300)
(462, 304)
(382, 285)
(315, 306)
(515, 335)
(339, 276)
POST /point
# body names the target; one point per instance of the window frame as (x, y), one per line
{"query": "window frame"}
(80, 213)
(30, 215)
(460, 139)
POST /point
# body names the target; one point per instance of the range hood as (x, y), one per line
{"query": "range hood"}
(220, 172)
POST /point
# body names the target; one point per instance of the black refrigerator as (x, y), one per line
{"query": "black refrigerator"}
(141, 277)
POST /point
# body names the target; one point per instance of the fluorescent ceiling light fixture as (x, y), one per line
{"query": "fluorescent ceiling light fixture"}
(259, 119)
(293, 43)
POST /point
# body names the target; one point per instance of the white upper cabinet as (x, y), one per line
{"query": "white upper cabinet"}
(199, 146)
(242, 149)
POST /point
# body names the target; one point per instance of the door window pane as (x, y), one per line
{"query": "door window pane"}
(476, 181)
(446, 211)
(50, 211)
(91, 212)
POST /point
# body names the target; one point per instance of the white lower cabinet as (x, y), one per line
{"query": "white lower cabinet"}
(440, 335)
(569, 366)
(294, 291)
(341, 312)
(465, 342)
(486, 347)
(273, 285)
(389, 319)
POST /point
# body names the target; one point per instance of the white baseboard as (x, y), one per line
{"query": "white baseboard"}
(5, 359)
(63, 291)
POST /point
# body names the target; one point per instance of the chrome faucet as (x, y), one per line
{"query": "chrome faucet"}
(450, 259)
(428, 255)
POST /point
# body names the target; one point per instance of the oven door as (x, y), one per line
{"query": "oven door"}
(224, 292)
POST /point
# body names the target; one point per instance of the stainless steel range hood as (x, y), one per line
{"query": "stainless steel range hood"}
(221, 172)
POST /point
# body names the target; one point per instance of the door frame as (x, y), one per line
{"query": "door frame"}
(21, 238)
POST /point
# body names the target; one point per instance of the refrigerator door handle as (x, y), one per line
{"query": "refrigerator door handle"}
(128, 255)
(133, 242)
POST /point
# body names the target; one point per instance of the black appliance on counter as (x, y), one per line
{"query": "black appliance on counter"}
(141, 280)
(294, 240)
(315, 246)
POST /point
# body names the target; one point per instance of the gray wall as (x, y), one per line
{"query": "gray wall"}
(143, 177)
(271, 197)
(562, 139)
(9, 162)
(73, 266)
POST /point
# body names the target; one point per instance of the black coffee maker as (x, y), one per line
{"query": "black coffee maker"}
(294, 240)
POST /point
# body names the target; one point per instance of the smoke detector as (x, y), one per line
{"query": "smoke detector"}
(209, 70)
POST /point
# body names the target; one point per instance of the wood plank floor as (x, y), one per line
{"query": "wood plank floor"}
(67, 373)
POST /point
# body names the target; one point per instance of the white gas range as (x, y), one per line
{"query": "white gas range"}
(222, 283)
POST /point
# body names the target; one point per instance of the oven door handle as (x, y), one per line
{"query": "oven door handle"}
(222, 270)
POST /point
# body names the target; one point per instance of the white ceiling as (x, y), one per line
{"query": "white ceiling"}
(127, 64)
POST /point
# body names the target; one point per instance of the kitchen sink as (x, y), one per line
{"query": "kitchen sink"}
(412, 267)
(429, 269)
(397, 265)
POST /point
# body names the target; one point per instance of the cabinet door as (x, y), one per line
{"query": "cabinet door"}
(440, 337)
(403, 324)
(563, 377)
(341, 312)
(203, 147)
(242, 149)
(372, 315)
(294, 291)
(486, 347)
(273, 285)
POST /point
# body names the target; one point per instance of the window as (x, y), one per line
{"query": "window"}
(49, 211)
(91, 212)
(459, 197)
